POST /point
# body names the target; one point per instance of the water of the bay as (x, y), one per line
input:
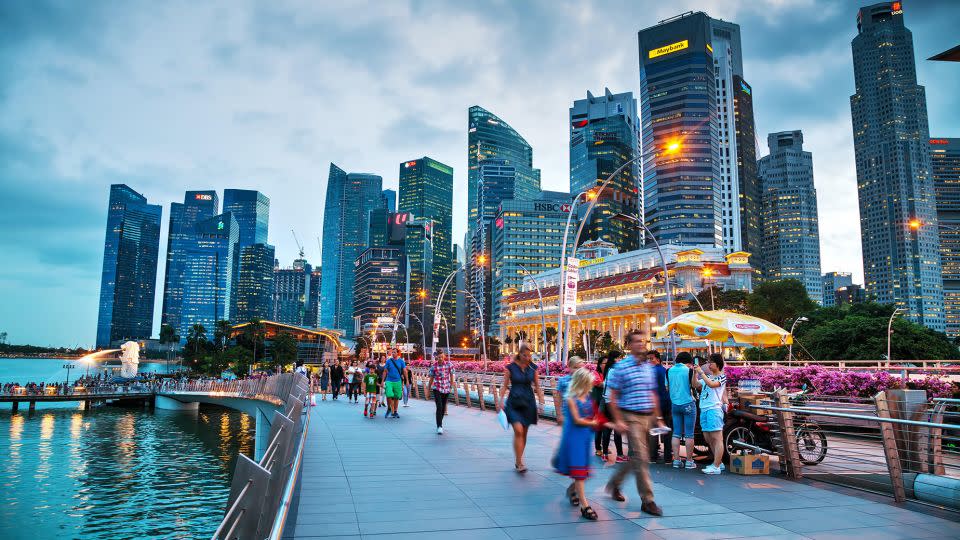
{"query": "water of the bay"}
(112, 472)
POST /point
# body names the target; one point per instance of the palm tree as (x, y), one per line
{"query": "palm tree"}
(197, 336)
(256, 334)
(551, 338)
(168, 336)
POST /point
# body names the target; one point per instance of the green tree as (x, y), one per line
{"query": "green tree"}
(197, 344)
(254, 334)
(168, 336)
(221, 334)
(283, 349)
(780, 302)
(551, 339)
(731, 300)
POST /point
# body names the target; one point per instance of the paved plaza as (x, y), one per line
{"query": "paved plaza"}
(396, 478)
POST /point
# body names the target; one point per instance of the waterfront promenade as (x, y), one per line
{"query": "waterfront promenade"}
(391, 479)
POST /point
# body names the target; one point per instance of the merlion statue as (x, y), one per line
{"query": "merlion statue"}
(129, 359)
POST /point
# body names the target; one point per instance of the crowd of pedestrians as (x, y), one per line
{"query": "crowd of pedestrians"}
(647, 409)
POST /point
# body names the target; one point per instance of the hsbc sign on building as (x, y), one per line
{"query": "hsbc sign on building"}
(551, 207)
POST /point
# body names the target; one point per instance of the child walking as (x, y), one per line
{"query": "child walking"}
(573, 456)
(372, 388)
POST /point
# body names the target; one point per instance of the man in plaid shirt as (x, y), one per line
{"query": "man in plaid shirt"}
(441, 382)
(635, 408)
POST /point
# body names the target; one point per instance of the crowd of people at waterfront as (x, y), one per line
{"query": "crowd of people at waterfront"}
(648, 410)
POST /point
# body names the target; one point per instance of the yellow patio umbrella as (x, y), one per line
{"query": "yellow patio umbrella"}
(727, 326)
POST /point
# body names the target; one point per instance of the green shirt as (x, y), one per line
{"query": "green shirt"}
(370, 381)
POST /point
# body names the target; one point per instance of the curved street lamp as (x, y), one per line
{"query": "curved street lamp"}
(890, 331)
(593, 195)
(483, 331)
(790, 349)
(543, 319)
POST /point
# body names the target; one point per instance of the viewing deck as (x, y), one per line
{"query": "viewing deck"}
(396, 478)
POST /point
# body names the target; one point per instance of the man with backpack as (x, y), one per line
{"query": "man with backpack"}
(393, 382)
(683, 408)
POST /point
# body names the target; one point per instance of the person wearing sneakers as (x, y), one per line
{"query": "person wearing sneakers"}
(713, 391)
(393, 385)
(371, 386)
(683, 408)
(634, 407)
(441, 383)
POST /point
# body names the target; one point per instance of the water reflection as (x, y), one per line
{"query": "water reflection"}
(118, 473)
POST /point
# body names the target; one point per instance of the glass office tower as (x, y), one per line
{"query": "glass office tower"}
(128, 278)
(197, 206)
(678, 103)
(791, 234)
(208, 273)
(251, 209)
(945, 164)
(426, 193)
(292, 292)
(603, 138)
(891, 141)
(254, 283)
(349, 200)
(379, 287)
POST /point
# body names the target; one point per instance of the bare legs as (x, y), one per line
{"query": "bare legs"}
(715, 440)
(519, 444)
(688, 444)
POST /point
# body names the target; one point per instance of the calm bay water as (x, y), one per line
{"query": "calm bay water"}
(113, 472)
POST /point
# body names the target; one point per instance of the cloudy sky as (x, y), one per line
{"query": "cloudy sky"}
(169, 96)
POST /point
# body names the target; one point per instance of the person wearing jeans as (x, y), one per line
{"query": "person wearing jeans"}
(683, 408)
(441, 383)
(407, 384)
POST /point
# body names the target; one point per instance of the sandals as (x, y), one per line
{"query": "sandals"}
(589, 513)
(521, 468)
(572, 495)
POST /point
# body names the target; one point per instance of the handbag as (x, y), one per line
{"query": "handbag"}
(502, 420)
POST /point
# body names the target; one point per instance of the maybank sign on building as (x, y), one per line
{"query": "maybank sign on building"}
(671, 48)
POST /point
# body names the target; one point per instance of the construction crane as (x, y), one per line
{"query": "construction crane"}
(295, 239)
(319, 247)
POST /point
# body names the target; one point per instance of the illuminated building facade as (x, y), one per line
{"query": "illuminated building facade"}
(791, 234)
(945, 166)
(379, 288)
(313, 309)
(832, 281)
(625, 292)
(208, 275)
(426, 194)
(527, 235)
(901, 264)
(128, 279)
(251, 210)
(292, 291)
(603, 137)
(748, 182)
(349, 200)
(678, 102)
(254, 283)
(196, 207)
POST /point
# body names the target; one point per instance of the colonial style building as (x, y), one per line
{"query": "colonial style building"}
(623, 292)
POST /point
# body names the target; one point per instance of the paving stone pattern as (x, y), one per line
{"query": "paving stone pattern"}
(398, 479)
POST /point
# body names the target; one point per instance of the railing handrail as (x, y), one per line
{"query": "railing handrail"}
(827, 412)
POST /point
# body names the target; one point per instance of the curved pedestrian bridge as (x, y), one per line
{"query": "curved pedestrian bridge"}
(396, 478)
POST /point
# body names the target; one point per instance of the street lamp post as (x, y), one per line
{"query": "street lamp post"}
(666, 278)
(790, 349)
(543, 319)
(593, 195)
(423, 334)
(890, 331)
(483, 331)
(707, 273)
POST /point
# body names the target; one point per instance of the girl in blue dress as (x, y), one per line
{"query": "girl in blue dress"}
(573, 456)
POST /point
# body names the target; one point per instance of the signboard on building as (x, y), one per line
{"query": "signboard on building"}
(571, 276)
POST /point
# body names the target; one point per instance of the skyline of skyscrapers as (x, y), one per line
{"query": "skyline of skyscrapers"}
(128, 278)
(901, 263)
(791, 233)
(945, 170)
(604, 138)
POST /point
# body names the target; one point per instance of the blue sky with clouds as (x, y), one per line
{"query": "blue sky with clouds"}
(177, 95)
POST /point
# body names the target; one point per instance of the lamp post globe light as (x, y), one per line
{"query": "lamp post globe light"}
(593, 195)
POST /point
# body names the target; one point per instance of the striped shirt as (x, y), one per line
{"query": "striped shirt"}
(441, 377)
(635, 384)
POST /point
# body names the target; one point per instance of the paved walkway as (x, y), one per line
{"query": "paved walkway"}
(389, 479)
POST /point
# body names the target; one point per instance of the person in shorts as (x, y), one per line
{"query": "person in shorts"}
(372, 388)
(393, 381)
(713, 390)
(683, 408)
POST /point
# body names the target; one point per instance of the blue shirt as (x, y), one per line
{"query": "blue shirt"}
(679, 379)
(394, 366)
(563, 383)
(635, 383)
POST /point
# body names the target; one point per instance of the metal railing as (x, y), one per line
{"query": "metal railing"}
(482, 390)
(52, 391)
(261, 491)
(275, 388)
(897, 443)
(911, 366)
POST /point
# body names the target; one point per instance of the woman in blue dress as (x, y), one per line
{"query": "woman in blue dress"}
(573, 456)
(521, 380)
(324, 380)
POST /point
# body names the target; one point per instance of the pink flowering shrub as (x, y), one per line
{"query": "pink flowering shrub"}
(831, 382)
